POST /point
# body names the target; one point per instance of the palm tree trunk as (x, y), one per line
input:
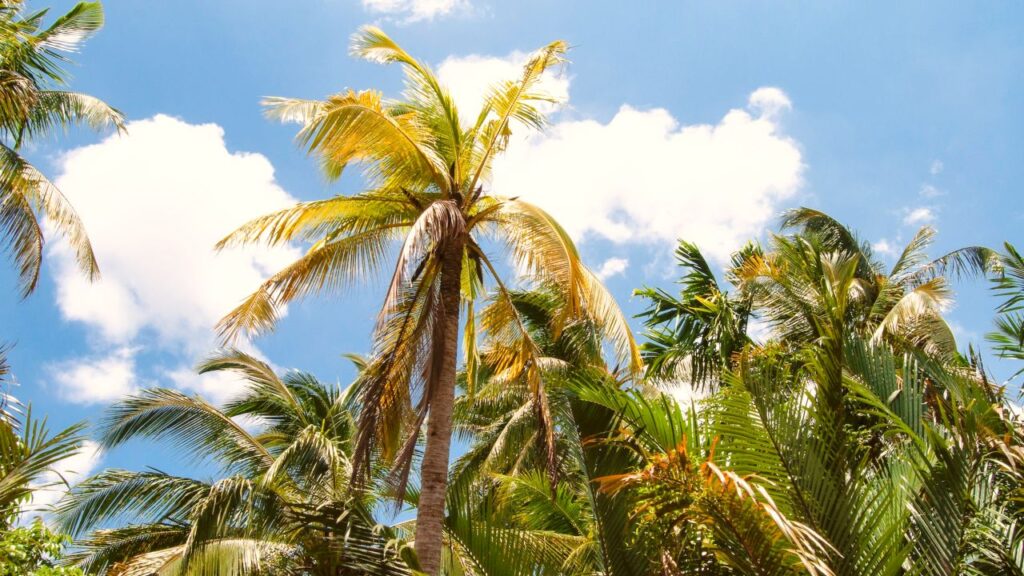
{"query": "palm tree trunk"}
(434, 470)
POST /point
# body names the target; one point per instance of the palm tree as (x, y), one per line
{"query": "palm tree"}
(281, 505)
(33, 104)
(426, 170)
(696, 334)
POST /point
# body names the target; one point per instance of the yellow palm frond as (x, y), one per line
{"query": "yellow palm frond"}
(927, 299)
(292, 110)
(311, 221)
(327, 267)
(605, 311)
(513, 100)
(359, 127)
(543, 249)
(24, 238)
(424, 93)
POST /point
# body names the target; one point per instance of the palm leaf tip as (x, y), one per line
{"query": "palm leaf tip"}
(256, 315)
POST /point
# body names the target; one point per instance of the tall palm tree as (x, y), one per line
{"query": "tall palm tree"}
(426, 169)
(34, 104)
(282, 503)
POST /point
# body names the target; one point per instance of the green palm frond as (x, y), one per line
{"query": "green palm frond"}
(117, 496)
(191, 423)
(137, 549)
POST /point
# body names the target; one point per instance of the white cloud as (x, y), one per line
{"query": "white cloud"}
(215, 387)
(96, 380)
(884, 247)
(643, 177)
(155, 202)
(612, 267)
(759, 329)
(685, 394)
(469, 78)
(415, 10)
(770, 101)
(929, 191)
(67, 472)
(936, 168)
(919, 215)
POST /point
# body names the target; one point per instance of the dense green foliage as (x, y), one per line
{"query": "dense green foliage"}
(33, 550)
(849, 437)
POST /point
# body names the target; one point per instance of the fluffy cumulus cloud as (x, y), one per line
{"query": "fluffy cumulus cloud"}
(69, 471)
(98, 380)
(644, 177)
(918, 216)
(415, 10)
(612, 267)
(155, 202)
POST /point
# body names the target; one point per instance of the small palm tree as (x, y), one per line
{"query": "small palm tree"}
(427, 169)
(281, 505)
(33, 104)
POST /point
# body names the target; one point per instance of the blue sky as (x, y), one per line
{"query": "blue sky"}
(699, 120)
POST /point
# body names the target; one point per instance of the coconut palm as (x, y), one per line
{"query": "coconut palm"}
(282, 503)
(696, 334)
(34, 104)
(501, 503)
(426, 170)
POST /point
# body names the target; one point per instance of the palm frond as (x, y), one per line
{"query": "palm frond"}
(190, 422)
